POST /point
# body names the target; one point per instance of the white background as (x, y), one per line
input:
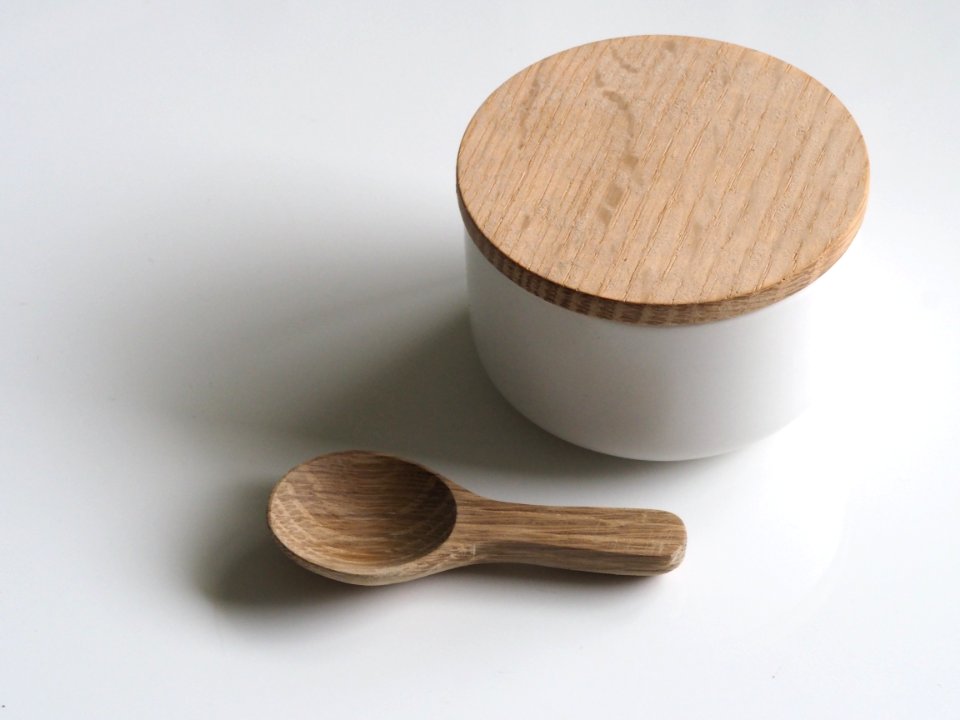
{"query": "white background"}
(229, 241)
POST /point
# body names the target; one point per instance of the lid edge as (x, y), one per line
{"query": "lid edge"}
(652, 313)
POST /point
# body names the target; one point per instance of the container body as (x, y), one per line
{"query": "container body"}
(642, 391)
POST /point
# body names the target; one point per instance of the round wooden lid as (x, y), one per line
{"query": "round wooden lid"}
(662, 180)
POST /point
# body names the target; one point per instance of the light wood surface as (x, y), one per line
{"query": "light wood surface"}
(662, 180)
(373, 519)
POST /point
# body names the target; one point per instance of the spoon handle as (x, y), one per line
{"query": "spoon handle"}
(604, 540)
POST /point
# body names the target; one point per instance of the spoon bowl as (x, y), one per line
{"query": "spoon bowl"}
(374, 519)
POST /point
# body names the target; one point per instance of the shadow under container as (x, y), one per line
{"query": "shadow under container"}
(646, 218)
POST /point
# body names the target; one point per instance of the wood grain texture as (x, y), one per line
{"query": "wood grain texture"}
(662, 180)
(373, 519)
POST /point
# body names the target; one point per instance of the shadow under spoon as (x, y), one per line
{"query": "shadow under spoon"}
(374, 519)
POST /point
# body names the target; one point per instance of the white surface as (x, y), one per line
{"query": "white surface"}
(642, 391)
(230, 242)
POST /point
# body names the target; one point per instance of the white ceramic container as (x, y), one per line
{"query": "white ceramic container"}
(646, 218)
(642, 391)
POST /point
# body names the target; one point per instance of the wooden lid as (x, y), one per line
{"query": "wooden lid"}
(662, 180)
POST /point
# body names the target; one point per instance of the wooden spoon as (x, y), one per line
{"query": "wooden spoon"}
(373, 519)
